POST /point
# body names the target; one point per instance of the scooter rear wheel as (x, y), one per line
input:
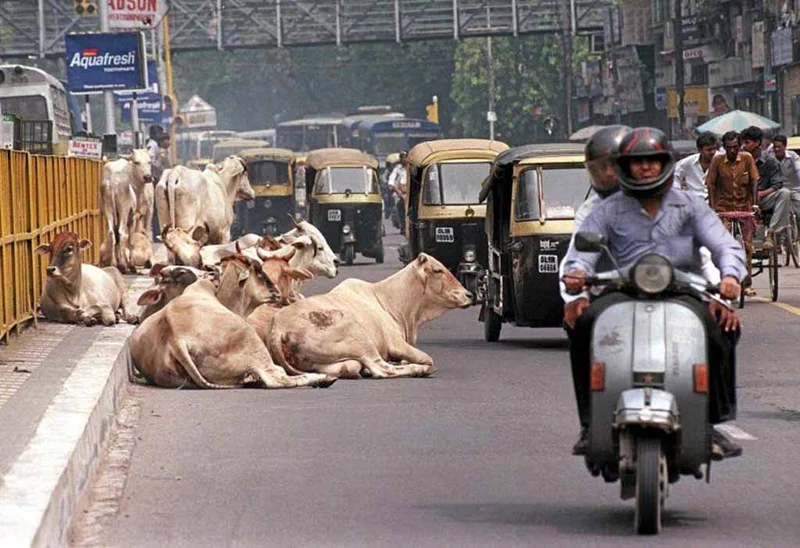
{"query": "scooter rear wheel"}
(649, 485)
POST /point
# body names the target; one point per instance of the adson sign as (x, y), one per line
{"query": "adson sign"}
(135, 14)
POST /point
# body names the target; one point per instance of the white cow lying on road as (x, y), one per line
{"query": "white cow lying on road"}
(359, 327)
(187, 198)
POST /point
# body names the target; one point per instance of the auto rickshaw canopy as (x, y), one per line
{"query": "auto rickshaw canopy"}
(793, 143)
(430, 152)
(277, 154)
(225, 148)
(343, 157)
(551, 153)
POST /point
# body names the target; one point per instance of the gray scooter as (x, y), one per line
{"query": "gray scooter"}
(649, 382)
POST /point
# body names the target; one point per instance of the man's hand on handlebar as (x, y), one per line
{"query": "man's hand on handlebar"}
(574, 280)
(728, 319)
(729, 288)
(573, 311)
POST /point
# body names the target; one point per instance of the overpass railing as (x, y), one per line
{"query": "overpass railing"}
(39, 197)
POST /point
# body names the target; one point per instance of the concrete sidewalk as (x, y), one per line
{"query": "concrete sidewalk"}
(60, 386)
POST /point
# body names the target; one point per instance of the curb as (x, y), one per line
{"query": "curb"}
(43, 488)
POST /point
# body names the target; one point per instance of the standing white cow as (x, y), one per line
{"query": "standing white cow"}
(121, 192)
(187, 198)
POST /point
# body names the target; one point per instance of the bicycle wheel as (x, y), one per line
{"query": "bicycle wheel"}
(737, 234)
(772, 271)
(790, 242)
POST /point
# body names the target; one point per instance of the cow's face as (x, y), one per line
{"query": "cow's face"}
(185, 246)
(244, 285)
(440, 287)
(170, 283)
(323, 261)
(65, 255)
(244, 191)
(284, 276)
(142, 168)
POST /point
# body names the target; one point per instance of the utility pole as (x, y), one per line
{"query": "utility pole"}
(566, 46)
(677, 31)
(491, 116)
(108, 96)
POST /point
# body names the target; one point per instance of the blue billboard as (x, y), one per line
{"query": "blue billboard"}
(105, 61)
(148, 102)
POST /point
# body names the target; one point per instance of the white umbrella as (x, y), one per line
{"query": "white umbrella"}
(736, 120)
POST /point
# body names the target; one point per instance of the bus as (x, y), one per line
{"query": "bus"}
(382, 136)
(40, 102)
(196, 148)
(309, 133)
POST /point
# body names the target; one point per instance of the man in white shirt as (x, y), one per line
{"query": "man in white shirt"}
(690, 175)
(790, 166)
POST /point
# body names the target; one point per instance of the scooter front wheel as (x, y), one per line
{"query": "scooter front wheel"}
(650, 485)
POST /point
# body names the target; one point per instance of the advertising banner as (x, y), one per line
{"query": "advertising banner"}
(105, 61)
(695, 102)
(148, 102)
(782, 47)
(135, 14)
(759, 59)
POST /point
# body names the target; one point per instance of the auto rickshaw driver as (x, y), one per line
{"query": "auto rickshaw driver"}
(649, 207)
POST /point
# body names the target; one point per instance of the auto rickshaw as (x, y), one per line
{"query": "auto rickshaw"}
(271, 174)
(344, 201)
(531, 194)
(443, 216)
(225, 148)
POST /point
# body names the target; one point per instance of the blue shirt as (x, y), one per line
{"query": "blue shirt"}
(683, 224)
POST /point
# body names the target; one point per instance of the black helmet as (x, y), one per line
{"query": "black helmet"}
(601, 149)
(645, 142)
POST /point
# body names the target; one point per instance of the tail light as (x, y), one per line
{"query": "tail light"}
(701, 378)
(598, 377)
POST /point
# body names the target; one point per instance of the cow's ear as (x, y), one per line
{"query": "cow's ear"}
(300, 274)
(165, 231)
(301, 242)
(422, 259)
(85, 244)
(185, 277)
(43, 249)
(156, 269)
(243, 275)
(151, 296)
(200, 234)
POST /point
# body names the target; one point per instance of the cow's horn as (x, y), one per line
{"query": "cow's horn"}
(294, 220)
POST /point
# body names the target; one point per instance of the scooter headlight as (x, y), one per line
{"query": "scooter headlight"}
(469, 256)
(346, 229)
(652, 274)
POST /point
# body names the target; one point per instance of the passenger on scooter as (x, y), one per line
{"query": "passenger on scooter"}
(651, 216)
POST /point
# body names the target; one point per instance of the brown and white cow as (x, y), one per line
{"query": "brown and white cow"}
(187, 198)
(170, 281)
(121, 192)
(75, 292)
(359, 327)
(196, 341)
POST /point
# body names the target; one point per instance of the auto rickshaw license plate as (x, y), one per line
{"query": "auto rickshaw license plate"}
(335, 215)
(548, 264)
(444, 234)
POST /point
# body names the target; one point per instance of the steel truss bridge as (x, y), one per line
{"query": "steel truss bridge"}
(37, 27)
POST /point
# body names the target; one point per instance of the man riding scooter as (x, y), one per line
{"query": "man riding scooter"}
(650, 216)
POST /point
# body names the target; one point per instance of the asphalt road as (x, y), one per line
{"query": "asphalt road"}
(478, 455)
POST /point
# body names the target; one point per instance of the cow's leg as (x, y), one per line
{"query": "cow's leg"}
(108, 316)
(126, 261)
(379, 368)
(275, 377)
(110, 214)
(400, 350)
(349, 369)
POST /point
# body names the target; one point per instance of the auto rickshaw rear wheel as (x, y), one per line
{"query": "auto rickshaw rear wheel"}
(379, 254)
(349, 254)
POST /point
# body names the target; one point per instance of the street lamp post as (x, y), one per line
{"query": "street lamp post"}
(108, 96)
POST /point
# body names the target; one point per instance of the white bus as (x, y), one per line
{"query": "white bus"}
(32, 95)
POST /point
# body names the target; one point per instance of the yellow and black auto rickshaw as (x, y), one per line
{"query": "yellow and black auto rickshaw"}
(271, 173)
(531, 197)
(443, 216)
(344, 201)
(225, 148)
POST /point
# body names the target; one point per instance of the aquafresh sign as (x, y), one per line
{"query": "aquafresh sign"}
(105, 61)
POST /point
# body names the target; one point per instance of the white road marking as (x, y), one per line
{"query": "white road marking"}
(735, 432)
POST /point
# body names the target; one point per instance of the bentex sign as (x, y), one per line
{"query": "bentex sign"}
(135, 14)
(105, 61)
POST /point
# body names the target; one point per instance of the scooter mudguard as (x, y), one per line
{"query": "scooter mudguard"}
(650, 343)
(647, 408)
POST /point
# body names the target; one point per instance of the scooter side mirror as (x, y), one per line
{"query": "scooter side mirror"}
(590, 242)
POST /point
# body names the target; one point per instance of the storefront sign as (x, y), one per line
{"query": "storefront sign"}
(661, 98)
(135, 14)
(782, 47)
(770, 83)
(731, 71)
(105, 61)
(86, 147)
(695, 102)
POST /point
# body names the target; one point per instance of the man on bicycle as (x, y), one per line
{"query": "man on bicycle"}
(790, 167)
(731, 181)
(651, 216)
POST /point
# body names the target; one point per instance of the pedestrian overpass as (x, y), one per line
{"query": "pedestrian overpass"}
(37, 27)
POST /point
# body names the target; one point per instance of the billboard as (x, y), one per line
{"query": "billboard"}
(148, 102)
(105, 61)
(135, 14)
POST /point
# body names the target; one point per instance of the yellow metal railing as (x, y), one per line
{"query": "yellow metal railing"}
(39, 197)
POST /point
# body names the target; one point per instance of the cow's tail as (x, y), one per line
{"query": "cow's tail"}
(185, 359)
(172, 181)
(278, 345)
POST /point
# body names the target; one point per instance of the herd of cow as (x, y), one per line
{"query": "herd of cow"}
(224, 314)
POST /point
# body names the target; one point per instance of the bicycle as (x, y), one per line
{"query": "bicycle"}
(790, 243)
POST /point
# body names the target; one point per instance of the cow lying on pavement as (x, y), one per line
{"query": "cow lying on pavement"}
(196, 341)
(75, 292)
(170, 283)
(359, 327)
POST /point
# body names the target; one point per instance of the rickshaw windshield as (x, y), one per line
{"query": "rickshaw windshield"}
(454, 183)
(564, 190)
(267, 172)
(338, 180)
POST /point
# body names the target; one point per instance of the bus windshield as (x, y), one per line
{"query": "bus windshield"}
(338, 180)
(454, 183)
(386, 143)
(26, 107)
